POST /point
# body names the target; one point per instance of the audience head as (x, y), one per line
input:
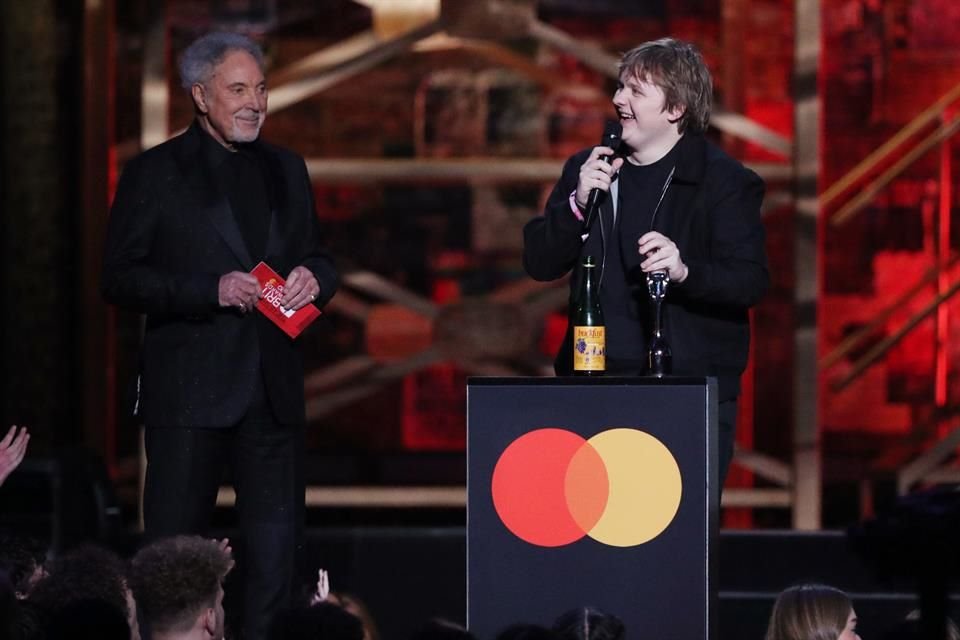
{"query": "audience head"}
(177, 583)
(588, 623)
(323, 621)
(22, 559)
(356, 606)
(85, 573)
(812, 612)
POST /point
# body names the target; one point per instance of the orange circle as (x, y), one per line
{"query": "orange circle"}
(586, 487)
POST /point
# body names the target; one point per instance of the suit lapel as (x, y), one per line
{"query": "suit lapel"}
(197, 169)
(223, 220)
(279, 199)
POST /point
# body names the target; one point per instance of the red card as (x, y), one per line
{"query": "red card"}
(271, 289)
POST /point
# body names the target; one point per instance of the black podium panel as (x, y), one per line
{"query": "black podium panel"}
(595, 493)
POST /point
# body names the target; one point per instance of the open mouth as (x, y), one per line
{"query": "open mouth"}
(625, 116)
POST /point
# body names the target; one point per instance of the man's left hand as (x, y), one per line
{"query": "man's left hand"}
(661, 254)
(301, 289)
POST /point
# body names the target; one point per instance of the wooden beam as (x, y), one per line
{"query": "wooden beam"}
(489, 169)
(806, 157)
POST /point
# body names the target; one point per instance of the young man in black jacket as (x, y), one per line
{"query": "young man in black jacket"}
(674, 202)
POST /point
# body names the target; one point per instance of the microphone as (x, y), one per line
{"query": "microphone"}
(611, 138)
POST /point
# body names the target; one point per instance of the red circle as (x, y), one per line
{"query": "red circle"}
(529, 487)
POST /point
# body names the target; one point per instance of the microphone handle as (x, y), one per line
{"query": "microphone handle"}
(593, 203)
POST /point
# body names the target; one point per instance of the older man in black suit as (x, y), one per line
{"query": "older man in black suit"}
(219, 381)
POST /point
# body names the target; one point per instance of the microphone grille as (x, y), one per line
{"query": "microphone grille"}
(612, 131)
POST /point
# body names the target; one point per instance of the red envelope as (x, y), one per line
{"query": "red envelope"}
(271, 288)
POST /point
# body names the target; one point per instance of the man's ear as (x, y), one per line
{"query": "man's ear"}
(209, 621)
(199, 97)
(675, 113)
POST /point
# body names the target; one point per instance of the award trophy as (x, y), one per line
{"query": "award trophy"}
(659, 356)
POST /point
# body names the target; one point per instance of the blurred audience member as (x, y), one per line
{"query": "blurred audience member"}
(588, 623)
(85, 573)
(178, 586)
(320, 621)
(356, 606)
(12, 449)
(349, 602)
(18, 619)
(22, 558)
(812, 612)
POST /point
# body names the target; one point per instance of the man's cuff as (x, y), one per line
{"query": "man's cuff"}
(574, 207)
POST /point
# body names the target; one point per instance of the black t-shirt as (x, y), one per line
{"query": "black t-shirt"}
(625, 302)
(242, 177)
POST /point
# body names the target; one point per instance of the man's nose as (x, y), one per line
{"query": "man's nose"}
(255, 101)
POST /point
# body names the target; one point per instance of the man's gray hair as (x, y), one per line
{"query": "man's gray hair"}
(200, 58)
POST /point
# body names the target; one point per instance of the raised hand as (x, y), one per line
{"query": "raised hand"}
(12, 449)
(323, 588)
(224, 545)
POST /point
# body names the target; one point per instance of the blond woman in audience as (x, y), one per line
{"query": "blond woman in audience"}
(813, 612)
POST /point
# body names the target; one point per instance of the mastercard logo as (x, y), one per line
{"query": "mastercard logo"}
(552, 487)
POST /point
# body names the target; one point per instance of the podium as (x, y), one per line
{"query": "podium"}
(592, 492)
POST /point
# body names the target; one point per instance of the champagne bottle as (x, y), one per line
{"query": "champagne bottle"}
(659, 354)
(589, 333)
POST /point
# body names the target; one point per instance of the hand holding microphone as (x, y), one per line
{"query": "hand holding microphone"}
(597, 173)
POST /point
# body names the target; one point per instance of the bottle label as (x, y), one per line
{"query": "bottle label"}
(589, 348)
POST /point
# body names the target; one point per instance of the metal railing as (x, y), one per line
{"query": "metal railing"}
(868, 165)
(934, 127)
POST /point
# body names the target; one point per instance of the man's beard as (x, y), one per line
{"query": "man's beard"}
(244, 134)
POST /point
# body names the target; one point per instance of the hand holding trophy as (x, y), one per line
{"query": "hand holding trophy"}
(659, 356)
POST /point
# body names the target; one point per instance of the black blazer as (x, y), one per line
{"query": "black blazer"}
(711, 210)
(170, 237)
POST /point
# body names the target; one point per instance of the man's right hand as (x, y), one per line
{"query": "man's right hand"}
(596, 174)
(239, 289)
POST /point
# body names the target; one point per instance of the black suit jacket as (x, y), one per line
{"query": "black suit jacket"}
(170, 237)
(711, 210)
